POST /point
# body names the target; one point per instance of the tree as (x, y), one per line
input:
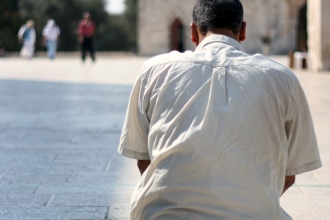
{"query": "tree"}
(9, 24)
(131, 18)
(111, 30)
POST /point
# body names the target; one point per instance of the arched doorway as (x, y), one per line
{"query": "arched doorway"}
(177, 36)
(302, 34)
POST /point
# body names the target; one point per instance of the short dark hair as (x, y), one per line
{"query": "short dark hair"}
(210, 15)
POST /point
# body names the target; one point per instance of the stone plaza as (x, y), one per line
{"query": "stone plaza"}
(60, 124)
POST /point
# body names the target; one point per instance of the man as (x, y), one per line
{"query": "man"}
(51, 38)
(27, 36)
(86, 29)
(218, 133)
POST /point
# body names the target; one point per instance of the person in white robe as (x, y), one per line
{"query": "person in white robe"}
(27, 36)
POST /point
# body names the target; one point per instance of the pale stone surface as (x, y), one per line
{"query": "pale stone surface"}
(319, 34)
(156, 17)
(59, 131)
(59, 213)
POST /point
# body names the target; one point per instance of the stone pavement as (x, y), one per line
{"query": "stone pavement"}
(60, 123)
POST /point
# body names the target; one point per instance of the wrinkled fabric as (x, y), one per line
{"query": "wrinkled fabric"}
(222, 130)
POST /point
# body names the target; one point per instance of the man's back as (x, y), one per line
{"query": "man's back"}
(220, 128)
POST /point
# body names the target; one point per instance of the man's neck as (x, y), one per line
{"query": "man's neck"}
(224, 32)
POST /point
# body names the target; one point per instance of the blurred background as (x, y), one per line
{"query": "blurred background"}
(115, 21)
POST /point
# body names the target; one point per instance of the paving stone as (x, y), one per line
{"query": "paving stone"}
(85, 188)
(24, 200)
(60, 213)
(17, 188)
(81, 199)
(35, 177)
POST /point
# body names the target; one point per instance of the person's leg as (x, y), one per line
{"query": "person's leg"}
(91, 49)
(83, 50)
(52, 49)
(88, 47)
(49, 48)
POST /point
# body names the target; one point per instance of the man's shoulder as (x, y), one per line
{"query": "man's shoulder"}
(170, 57)
(167, 58)
(268, 65)
(271, 65)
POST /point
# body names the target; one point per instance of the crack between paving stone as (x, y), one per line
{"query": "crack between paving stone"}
(301, 190)
(35, 189)
(70, 177)
(51, 199)
(107, 213)
(108, 166)
(55, 158)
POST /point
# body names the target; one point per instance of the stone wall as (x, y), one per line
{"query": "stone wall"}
(319, 34)
(156, 17)
(155, 20)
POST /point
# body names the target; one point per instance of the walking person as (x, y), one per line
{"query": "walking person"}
(217, 133)
(266, 43)
(27, 36)
(86, 29)
(51, 38)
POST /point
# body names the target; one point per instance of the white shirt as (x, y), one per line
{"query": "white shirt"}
(51, 33)
(222, 130)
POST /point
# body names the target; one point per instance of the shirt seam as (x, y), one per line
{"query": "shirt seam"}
(133, 154)
(304, 168)
(202, 63)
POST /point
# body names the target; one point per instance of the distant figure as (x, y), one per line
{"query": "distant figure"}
(86, 29)
(266, 42)
(2, 50)
(27, 36)
(51, 38)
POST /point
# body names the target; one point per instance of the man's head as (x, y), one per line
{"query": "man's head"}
(50, 23)
(30, 23)
(218, 17)
(87, 16)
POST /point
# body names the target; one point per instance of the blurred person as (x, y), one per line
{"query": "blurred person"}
(27, 36)
(266, 43)
(217, 133)
(2, 49)
(86, 30)
(51, 38)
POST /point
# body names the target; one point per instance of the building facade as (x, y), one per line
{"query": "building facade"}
(293, 25)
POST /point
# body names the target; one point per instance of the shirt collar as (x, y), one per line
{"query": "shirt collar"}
(219, 38)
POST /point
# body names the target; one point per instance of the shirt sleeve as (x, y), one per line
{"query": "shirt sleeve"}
(134, 137)
(21, 32)
(303, 155)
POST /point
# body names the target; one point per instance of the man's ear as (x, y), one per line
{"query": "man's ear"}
(194, 34)
(242, 34)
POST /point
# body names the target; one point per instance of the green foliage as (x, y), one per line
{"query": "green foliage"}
(131, 18)
(9, 24)
(113, 32)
